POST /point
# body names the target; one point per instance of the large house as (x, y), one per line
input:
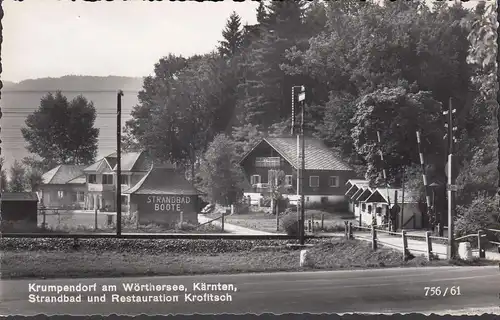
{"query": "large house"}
(149, 190)
(324, 177)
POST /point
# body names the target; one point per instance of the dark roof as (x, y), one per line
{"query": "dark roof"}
(131, 161)
(389, 194)
(317, 155)
(19, 196)
(163, 180)
(62, 174)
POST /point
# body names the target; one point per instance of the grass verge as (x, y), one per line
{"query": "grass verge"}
(56, 258)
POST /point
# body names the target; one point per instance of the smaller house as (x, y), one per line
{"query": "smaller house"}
(354, 189)
(163, 196)
(20, 206)
(381, 200)
(64, 187)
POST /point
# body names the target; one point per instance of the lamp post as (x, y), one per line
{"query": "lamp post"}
(301, 157)
(433, 186)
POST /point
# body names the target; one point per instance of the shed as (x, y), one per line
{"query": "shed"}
(164, 197)
(20, 206)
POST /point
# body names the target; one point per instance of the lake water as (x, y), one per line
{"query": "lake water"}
(16, 106)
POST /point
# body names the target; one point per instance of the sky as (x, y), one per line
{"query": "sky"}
(52, 38)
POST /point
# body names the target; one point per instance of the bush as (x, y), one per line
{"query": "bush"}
(481, 214)
(289, 223)
(184, 226)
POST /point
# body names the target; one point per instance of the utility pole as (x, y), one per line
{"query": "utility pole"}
(452, 188)
(300, 160)
(118, 163)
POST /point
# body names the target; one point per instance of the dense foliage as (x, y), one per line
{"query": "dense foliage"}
(62, 131)
(390, 67)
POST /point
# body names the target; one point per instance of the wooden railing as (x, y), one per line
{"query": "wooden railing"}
(480, 235)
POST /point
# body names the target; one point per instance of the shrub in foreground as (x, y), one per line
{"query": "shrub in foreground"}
(290, 224)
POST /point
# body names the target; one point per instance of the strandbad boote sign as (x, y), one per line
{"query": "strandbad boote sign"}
(167, 203)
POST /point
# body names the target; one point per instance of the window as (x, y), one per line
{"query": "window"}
(363, 206)
(266, 162)
(78, 196)
(125, 200)
(92, 178)
(378, 210)
(333, 181)
(254, 179)
(60, 194)
(272, 177)
(288, 180)
(107, 179)
(124, 178)
(314, 181)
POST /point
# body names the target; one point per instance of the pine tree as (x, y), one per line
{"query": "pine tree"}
(261, 13)
(233, 36)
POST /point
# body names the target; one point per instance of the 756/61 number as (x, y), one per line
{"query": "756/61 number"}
(438, 292)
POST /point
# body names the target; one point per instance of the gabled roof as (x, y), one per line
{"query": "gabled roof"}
(19, 196)
(389, 195)
(317, 155)
(357, 182)
(357, 193)
(131, 161)
(97, 166)
(364, 194)
(78, 180)
(62, 174)
(163, 180)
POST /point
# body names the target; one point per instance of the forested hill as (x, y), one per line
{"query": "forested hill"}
(76, 84)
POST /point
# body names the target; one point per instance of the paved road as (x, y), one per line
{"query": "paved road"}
(381, 290)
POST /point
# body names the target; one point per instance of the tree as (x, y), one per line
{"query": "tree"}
(276, 188)
(483, 50)
(34, 178)
(3, 176)
(62, 131)
(397, 114)
(220, 173)
(261, 13)
(233, 36)
(17, 177)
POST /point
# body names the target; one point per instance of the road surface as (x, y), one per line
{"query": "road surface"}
(398, 290)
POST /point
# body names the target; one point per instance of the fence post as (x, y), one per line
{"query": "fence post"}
(345, 230)
(429, 245)
(277, 220)
(43, 223)
(405, 244)
(95, 219)
(322, 221)
(482, 253)
(350, 231)
(374, 238)
(222, 221)
(360, 224)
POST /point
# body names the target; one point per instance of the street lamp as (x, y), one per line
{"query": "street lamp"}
(300, 156)
(433, 186)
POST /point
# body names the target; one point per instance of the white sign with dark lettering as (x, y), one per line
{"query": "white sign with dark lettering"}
(168, 203)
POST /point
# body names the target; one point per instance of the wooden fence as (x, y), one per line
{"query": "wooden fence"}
(429, 253)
